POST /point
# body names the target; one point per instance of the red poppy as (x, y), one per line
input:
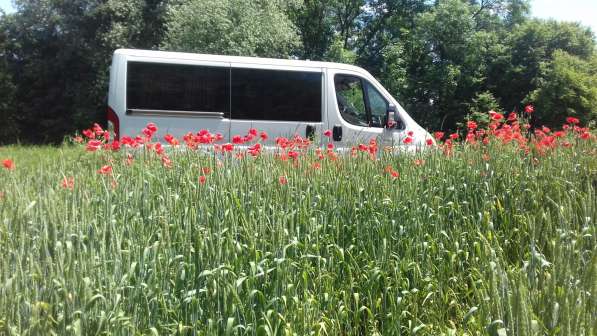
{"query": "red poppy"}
(227, 147)
(255, 150)
(454, 136)
(572, 120)
(407, 140)
(105, 170)
(78, 139)
(237, 140)
(202, 179)
(152, 127)
(93, 145)
(263, 136)
(68, 183)
(512, 117)
(419, 162)
(97, 129)
(496, 116)
(115, 145)
(327, 133)
(252, 132)
(410, 133)
(206, 170)
(89, 133)
(330, 145)
(429, 142)
(8, 164)
(171, 140)
(559, 134)
(390, 171)
(471, 125)
(282, 180)
(147, 132)
(292, 154)
(438, 135)
(159, 149)
(585, 135)
(166, 161)
(529, 109)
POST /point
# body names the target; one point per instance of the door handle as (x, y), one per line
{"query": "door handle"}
(337, 133)
(310, 132)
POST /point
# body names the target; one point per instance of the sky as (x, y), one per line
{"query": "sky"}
(584, 11)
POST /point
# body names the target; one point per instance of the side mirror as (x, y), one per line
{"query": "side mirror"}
(391, 117)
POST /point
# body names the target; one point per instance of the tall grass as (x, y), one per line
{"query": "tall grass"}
(485, 241)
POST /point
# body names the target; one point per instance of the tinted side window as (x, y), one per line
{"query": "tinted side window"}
(276, 95)
(177, 87)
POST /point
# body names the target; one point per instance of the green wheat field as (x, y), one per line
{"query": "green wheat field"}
(481, 239)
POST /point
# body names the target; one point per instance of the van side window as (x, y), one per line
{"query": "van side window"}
(351, 99)
(177, 87)
(359, 102)
(259, 94)
(377, 105)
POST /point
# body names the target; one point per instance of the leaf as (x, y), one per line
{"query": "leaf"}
(469, 314)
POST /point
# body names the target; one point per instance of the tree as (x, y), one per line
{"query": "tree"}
(59, 53)
(315, 26)
(233, 27)
(531, 45)
(9, 130)
(567, 86)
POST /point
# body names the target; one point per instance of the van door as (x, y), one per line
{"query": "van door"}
(356, 111)
(281, 101)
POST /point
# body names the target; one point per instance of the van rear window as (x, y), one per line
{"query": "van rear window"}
(177, 87)
(259, 94)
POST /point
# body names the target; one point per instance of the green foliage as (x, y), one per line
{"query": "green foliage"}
(232, 27)
(484, 102)
(9, 130)
(567, 86)
(338, 53)
(461, 245)
(314, 22)
(478, 108)
(434, 57)
(58, 53)
(533, 44)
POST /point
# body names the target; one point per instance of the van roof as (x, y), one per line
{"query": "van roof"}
(237, 59)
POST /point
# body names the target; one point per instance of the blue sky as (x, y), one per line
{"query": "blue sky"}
(584, 11)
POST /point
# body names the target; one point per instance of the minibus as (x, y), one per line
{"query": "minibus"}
(184, 92)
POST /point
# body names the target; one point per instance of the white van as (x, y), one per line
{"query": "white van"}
(182, 92)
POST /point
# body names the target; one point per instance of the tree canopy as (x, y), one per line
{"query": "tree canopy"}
(445, 61)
